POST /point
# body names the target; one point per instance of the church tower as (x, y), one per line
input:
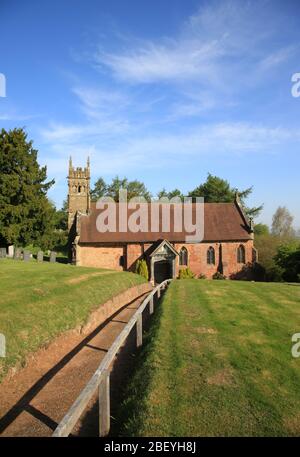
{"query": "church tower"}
(79, 191)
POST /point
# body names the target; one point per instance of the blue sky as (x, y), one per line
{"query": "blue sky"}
(161, 91)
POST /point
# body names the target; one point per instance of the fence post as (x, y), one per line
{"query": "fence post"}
(158, 292)
(139, 330)
(104, 405)
(151, 308)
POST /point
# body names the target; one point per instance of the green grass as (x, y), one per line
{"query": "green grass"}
(38, 302)
(217, 362)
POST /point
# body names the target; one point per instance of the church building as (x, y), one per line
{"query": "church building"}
(227, 245)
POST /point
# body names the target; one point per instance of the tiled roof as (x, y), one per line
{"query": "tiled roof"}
(222, 222)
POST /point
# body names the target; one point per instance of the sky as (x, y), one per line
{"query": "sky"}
(160, 91)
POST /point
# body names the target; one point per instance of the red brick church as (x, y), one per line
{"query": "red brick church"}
(226, 247)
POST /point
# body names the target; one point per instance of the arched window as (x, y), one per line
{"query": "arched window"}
(79, 189)
(211, 258)
(241, 254)
(183, 256)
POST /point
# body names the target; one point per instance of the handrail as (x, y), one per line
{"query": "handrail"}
(100, 378)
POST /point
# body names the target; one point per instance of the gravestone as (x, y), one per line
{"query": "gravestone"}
(40, 256)
(11, 250)
(52, 256)
(26, 256)
(2, 345)
(17, 254)
(2, 253)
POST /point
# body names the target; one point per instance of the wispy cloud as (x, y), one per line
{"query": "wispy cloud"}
(101, 110)
(97, 103)
(211, 140)
(222, 51)
(132, 117)
(13, 116)
(217, 36)
(278, 57)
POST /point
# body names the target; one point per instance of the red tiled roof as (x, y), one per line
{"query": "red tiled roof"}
(222, 222)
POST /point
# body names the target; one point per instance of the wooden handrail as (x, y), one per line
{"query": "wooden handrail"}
(100, 379)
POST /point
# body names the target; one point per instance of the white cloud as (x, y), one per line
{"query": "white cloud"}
(211, 139)
(218, 51)
(221, 39)
(13, 116)
(277, 57)
(98, 103)
(142, 152)
(178, 61)
(66, 133)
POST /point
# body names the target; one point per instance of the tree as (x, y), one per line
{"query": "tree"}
(61, 217)
(288, 258)
(25, 211)
(173, 193)
(134, 189)
(282, 223)
(137, 189)
(99, 190)
(54, 232)
(142, 269)
(267, 245)
(218, 190)
(261, 229)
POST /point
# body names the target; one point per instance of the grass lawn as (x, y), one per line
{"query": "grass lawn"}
(40, 301)
(217, 362)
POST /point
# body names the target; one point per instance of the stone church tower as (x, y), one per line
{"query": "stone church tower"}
(79, 191)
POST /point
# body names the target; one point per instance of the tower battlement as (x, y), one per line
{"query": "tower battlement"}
(79, 191)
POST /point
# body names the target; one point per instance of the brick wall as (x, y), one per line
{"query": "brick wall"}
(231, 266)
(197, 257)
(109, 257)
(100, 256)
(133, 253)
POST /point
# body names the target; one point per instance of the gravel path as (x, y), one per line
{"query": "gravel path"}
(36, 398)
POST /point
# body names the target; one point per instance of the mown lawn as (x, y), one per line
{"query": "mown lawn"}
(217, 362)
(40, 301)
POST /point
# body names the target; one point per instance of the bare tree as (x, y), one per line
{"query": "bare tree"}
(282, 223)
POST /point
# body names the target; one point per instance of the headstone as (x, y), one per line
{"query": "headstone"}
(26, 256)
(17, 254)
(52, 256)
(40, 256)
(2, 253)
(2, 345)
(11, 250)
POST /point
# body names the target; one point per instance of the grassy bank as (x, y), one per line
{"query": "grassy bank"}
(40, 301)
(217, 362)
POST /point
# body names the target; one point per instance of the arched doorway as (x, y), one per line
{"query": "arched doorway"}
(161, 257)
(163, 269)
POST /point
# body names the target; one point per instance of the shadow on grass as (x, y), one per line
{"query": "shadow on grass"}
(23, 403)
(129, 381)
(131, 405)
